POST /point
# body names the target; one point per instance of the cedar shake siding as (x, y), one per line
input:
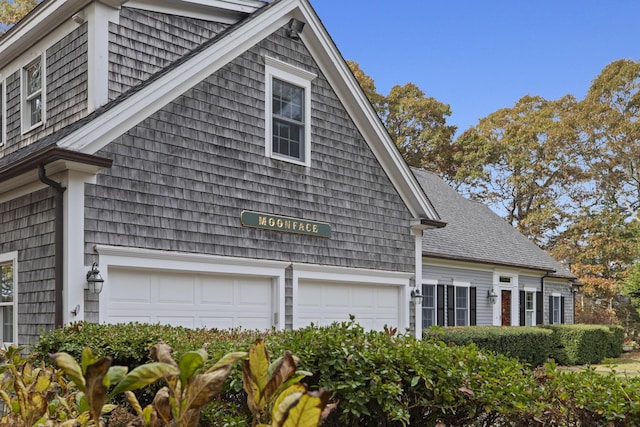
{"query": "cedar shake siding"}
(181, 178)
(145, 42)
(66, 91)
(27, 227)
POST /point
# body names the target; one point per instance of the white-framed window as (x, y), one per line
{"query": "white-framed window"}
(33, 94)
(8, 298)
(3, 108)
(556, 309)
(529, 308)
(429, 300)
(462, 306)
(288, 112)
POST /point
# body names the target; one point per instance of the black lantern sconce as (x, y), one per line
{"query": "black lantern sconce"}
(416, 296)
(492, 296)
(94, 280)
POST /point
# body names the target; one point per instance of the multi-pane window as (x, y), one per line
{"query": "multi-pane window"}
(556, 309)
(529, 308)
(33, 101)
(288, 112)
(428, 305)
(7, 300)
(288, 119)
(462, 306)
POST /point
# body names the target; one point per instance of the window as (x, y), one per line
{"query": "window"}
(462, 306)
(33, 100)
(556, 309)
(2, 114)
(288, 112)
(8, 284)
(428, 305)
(529, 308)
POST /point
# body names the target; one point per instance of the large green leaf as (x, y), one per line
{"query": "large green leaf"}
(143, 376)
(189, 363)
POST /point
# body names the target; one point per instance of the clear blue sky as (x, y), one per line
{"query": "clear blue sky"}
(482, 55)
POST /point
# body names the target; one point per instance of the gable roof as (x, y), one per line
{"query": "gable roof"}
(475, 233)
(114, 119)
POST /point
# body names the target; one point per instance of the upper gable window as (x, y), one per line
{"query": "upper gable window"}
(32, 95)
(288, 112)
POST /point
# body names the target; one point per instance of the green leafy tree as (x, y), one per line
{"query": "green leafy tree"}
(534, 164)
(13, 11)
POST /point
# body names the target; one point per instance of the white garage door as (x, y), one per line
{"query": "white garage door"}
(188, 299)
(374, 306)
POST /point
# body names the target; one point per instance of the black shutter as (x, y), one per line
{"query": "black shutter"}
(472, 306)
(562, 310)
(522, 308)
(551, 310)
(440, 306)
(539, 308)
(451, 305)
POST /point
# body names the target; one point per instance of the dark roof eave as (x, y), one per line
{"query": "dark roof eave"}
(432, 223)
(50, 155)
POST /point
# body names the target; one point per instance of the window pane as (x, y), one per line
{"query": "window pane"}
(461, 306)
(288, 100)
(6, 282)
(34, 78)
(428, 305)
(287, 138)
(7, 323)
(35, 105)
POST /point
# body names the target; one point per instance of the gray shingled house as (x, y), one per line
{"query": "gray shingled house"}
(199, 163)
(479, 270)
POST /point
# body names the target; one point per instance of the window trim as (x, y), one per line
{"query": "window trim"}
(288, 73)
(556, 297)
(25, 97)
(6, 258)
(533, 292)
(434, 285)
(3, 112)
(466, 286)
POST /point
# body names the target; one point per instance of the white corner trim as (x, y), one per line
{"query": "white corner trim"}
(99, 16)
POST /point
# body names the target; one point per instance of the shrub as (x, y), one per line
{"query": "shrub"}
(531, 345)
(582, 344)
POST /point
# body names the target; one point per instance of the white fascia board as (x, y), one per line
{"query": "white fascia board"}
(362, 113)
(228, 12)
(36, 26)
(128, 113)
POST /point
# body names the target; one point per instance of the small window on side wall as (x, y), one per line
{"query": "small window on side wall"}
(8, 299)
(288, 112)
(33, 94)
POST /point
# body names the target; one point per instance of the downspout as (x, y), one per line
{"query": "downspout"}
(59, 236)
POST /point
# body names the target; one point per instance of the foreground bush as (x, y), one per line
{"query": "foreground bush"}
(383, 380)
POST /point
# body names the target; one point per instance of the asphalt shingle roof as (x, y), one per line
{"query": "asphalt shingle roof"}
(475, 233)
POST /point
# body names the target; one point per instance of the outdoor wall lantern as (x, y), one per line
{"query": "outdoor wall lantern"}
(492, 296)
(94, 280)
(416, 296)
(294, 28)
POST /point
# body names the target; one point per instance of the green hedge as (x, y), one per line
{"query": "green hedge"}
(383, 380)
(584, 344)
(531, 345)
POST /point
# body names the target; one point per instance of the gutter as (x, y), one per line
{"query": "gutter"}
(38, 161)
(59, 239)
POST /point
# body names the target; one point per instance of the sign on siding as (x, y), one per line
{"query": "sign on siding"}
(284, 223)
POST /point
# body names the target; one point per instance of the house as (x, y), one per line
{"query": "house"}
(198, 163)
(479, 270)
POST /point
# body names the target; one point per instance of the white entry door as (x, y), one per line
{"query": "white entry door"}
(188, 299)
(373, 306)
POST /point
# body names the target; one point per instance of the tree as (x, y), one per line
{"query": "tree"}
(611, 116)
(534, 164)
(417, 124)
(13, 11)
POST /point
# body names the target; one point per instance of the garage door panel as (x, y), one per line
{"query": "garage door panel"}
(373, 306)
(188, 299)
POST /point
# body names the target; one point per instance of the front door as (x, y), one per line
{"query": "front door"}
(505, 300)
